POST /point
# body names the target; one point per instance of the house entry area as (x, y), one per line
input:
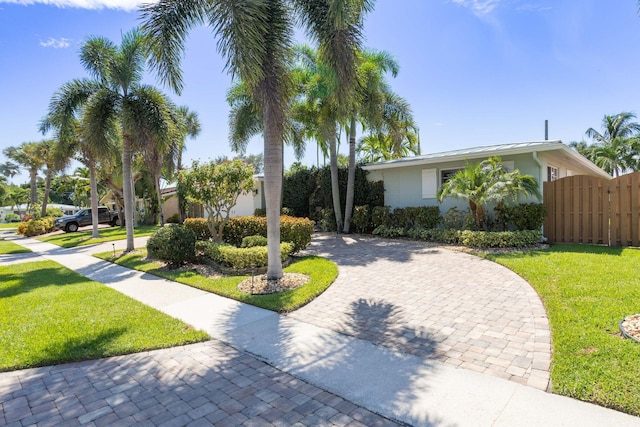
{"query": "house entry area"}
(588, 209)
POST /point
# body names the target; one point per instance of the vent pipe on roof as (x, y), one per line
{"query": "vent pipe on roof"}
(546, 130)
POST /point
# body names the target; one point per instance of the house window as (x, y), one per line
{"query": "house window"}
(552, 173)
(446, 174)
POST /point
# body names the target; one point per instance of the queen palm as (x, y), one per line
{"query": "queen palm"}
(378, 108)
(485, 182)
(616, 148)
(116, 106)
(255, 39)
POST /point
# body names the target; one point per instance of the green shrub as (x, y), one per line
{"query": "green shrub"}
(174, 244)
(240, 258)
(381, 216)
(54, 212)
(448, 236)
(297, 231)
(287, 211)
(502, 239)
(36, 227)
(260, 212)
(456, 219)
(328, 220)
(12, 217)
(174, 219)
(209, 249)
(389, 231)
(199, 228)
(361, 219)
(251, 241)
(421, 216)
(526, 216)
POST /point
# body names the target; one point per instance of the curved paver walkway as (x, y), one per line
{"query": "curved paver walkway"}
(434, 302)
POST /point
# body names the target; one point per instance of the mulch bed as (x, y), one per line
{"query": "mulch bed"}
(630, 326)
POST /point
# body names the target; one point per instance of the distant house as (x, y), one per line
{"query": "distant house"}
(22, 209)
(414, 181)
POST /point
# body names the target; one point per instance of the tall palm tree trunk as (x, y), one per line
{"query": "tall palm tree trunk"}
(33, 176)
(127, 190)
(335, 186)
(272, 193)
(156, 183)
(348, 208)
(47, 190)
(93, 183)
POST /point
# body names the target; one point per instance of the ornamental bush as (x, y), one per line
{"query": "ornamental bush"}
(251, 241)
(381, 215)
(361, 219)
(297, 231)
(174, 244)
(199, 227)
(36, 227)
(499, 239)
(240, 258)
(526, 216)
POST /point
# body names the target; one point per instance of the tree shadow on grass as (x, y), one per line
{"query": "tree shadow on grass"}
(37, 278)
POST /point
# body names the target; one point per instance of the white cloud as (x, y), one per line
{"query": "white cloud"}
(56, 43)
(127, 5)
(478, 7)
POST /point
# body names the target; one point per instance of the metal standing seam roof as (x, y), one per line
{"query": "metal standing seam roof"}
(487, 151)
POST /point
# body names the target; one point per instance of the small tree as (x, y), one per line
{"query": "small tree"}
(216, 186)
(485, 182)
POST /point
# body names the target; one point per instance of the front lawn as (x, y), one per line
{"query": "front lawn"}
(322, 272)
(8, 225)
(81, 238)
(587, 290)
(52, 315)
(7, 247)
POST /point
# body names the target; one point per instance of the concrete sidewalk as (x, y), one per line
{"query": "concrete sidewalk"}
(412, 389)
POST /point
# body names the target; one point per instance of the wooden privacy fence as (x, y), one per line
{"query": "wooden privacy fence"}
(587, 209)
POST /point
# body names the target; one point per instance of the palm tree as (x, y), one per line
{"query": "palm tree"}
(18, 196)
(616, 149)
(378, 108)
(56, 159)
(31, 156)
(116, 106)
(255, 39)
(9, 169)
(485, 182)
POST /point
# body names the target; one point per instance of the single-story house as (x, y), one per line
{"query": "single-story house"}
(22, 209)
(414, 181)
(245, 206)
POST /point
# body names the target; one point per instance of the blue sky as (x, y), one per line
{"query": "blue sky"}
(476, 72)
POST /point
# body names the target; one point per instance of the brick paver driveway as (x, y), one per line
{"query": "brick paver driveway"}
(207, 384)
(434, 302)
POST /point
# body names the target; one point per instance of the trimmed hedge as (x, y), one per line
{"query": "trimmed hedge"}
(251, 241)
(199, 227)
(298, 231)
(240, 258)
(472, 239)
(173, 244)
(36, 227)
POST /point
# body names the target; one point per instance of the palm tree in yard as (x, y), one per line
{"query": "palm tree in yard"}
(56, 158)
(485, 182)
(616, 149)
(255, 39)
(114, 106)
(31, 156)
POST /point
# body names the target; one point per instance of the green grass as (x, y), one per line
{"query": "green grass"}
(587, 290)
(8, 225)
(81, 238)
(321, 271)
(51, 315)
(7, 247)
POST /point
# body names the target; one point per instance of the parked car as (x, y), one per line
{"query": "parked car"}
(71, 223)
